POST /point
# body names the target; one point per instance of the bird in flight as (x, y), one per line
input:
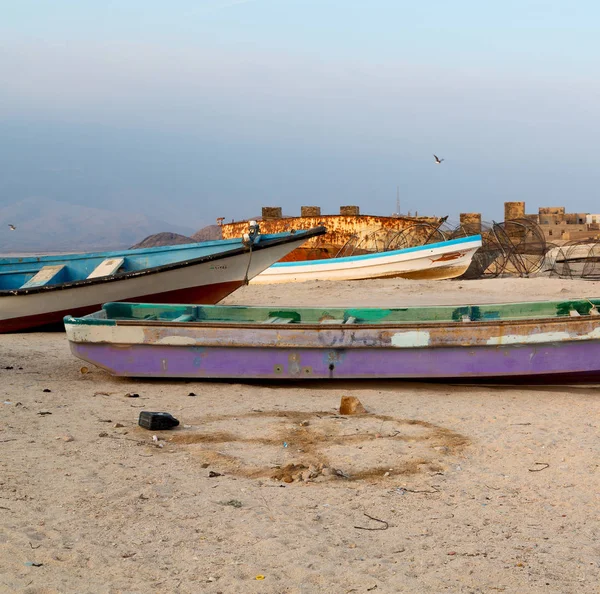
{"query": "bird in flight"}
(438, 161)
(11, 227)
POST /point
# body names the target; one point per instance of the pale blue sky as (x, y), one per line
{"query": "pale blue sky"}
(206, 108)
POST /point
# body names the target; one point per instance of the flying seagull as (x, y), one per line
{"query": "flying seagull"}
(438, 161)
(12, 227)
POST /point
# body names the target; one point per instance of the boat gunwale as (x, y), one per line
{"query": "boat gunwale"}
(288, 238)
(567, 320)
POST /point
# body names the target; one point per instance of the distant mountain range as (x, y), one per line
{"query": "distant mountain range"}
(208, 233)
(43, 225)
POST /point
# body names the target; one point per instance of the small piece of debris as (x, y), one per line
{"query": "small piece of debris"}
(351, 405)
(213, 474)
(83, 370)
(131, 395)
(231, 503)
(541, 465)
(33, 564)
(66, 438)
(157, 421)
(304, 423)
(46, 390)
(205, 465)
(43, 413)
(117, 425)
(9, 367)
(103, 434)
(191, 394)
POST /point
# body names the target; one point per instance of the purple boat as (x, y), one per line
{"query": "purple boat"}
(530, 342)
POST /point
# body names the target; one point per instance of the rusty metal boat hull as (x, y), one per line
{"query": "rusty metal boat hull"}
(477, 343)
(341, 229)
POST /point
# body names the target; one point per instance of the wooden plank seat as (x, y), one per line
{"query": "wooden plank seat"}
(107, 267)
(348, 320)
(44, 276)
(184, 318)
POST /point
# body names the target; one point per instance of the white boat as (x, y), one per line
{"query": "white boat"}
(446, 259)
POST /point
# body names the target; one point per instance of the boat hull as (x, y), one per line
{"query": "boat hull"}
(437, 261)
(518, 342)
(210, 293)
(550, 362)
(202, 281)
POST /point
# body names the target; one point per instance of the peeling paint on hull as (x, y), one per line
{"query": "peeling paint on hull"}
(517, 363)
(340, 229)
(441, 273)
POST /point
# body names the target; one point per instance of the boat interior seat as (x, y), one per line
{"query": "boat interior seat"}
(47, 275)
(184, 318)
(278, 320)
(106, 267)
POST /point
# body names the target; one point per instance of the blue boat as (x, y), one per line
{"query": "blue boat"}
(40, 291)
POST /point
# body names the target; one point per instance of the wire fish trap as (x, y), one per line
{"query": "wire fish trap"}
(575, 259)
(512, 248)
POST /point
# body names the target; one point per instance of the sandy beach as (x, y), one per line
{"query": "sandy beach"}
(441, 488)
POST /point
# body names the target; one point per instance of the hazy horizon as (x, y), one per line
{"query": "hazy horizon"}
(198, 110)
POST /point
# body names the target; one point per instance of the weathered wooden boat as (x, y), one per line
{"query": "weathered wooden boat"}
(37, 291)
(530, 341)
(446, 259)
